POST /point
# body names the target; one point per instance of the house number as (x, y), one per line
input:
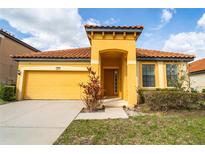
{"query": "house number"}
(58, 68)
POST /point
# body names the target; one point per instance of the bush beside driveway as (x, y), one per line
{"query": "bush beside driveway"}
(7, 93)
(1, 102)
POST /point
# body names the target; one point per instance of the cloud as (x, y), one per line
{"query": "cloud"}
(110, 21)
(201, 22)
(191, 42)
(166, 16)
(49, 28)
(148, 34)
(92, 21)
(188, 42)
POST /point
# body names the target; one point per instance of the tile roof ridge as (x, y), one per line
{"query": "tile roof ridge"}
(59, 50)
(113, 26)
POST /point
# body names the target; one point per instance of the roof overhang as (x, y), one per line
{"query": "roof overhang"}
(88, 59)
(197, 72)
(113, 30)
(164, 59)
(54, 59)
(121, 31)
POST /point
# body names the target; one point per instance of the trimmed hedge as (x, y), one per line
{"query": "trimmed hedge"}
(170, 99)
(7, 93)
(141, 92)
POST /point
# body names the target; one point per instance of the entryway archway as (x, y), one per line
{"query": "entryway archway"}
(114, 73)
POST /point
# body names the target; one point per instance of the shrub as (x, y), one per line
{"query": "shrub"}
(203, 91)
(166, 100)
(141, 96)
(194, 90)
(92, 91)
(7, 93)
(202, 100)
(1, 87)
(166, 89)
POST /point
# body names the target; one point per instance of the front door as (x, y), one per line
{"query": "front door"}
(111, 82)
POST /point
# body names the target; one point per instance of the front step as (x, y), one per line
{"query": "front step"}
(114, 102)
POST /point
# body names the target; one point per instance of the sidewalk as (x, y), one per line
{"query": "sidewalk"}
(110, 113)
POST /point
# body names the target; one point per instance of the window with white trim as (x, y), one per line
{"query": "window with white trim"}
(172, 74)
(148, 75)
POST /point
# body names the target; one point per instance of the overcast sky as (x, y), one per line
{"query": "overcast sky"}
(180, 30)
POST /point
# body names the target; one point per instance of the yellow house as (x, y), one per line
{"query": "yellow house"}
(121, 66)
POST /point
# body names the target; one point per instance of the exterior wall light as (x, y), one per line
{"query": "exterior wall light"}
(18, 72)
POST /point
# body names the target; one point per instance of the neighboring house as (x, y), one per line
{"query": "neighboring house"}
(113, 55)
(10, 45)
(197, 74)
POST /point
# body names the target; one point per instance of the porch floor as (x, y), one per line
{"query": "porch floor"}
(114, 102)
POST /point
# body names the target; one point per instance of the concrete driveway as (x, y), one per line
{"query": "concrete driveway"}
(36, 121)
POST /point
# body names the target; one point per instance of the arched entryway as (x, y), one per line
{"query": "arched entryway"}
(114, 73)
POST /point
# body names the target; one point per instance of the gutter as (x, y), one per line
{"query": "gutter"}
(112, 30)
(164, 59)
(54, 59)
(197, 72)
(88, 59)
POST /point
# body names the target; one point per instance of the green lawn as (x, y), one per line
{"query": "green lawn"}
(183, 128)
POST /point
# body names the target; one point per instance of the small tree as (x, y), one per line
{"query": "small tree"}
(182, 82)
(92, 91)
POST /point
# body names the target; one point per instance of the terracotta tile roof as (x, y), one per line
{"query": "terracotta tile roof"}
(196, 66)
(84, 53)
(115, 27)
(161, 54)
(77, 53)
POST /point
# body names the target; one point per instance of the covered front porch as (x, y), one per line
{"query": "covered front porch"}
(113, 76)
(113, 57)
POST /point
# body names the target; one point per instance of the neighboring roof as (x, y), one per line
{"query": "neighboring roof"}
(85, 53)
(197, 66)
(12, 37)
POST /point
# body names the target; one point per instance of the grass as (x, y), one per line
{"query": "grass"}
(174, 128)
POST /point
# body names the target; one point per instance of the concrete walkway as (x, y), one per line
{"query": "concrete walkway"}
(110, 113)
(36, 122)
(114, 102)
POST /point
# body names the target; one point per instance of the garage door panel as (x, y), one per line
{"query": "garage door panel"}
(53, 84)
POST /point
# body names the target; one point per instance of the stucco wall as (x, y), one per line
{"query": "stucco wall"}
(8, 67)
(198, 81)
(46, 66)
(121, 44)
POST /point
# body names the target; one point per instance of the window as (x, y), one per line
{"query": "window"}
(172, 74)
(148, 75)
(115, 82)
